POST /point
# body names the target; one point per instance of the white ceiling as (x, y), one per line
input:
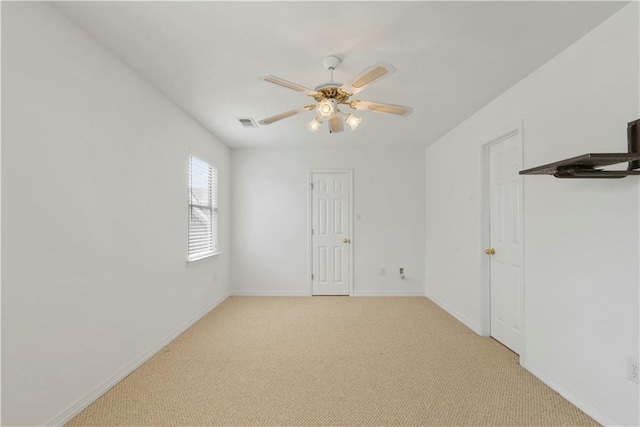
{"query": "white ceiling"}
(452, 58)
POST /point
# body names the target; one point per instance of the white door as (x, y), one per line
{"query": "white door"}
(506, 241)
(331, 237)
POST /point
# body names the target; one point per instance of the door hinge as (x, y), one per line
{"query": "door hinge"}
(312, 277)
(311, 184)
(312, 232)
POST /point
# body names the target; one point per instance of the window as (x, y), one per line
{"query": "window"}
(203, 209)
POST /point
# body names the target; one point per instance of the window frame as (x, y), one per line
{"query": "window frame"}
(214, 211)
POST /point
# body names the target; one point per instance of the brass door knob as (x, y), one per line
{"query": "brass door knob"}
(490, 251)
(346, 241)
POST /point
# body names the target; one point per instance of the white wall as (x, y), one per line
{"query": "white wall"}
(94, 217)
(581, 236)
(270, 237)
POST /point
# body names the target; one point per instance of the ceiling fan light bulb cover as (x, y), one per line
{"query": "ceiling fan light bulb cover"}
(353, 121)
(326, 108)
(314, 125)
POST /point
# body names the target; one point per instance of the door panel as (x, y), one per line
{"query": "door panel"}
(330, 233)
(506, 239)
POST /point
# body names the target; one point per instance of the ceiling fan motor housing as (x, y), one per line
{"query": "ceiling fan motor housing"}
(331, 90)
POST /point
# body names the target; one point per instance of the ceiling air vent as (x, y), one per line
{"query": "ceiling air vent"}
(247, 122)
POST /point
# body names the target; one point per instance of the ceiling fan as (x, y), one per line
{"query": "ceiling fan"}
(329, 96)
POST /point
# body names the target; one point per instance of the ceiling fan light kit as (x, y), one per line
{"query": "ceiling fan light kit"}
(330, 95)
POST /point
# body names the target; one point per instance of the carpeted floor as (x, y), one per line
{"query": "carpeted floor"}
(331, 361)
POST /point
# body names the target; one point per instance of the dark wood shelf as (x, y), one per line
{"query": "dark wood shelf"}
(584, 163)
(584, 166)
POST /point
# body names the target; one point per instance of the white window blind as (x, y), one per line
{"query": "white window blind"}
(203, 209)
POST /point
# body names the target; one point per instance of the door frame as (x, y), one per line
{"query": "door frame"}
(485, 240)
(349, 173)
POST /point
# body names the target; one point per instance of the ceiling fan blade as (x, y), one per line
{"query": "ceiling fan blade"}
(286, 114)
(398, 110)
(285, 83)
(335, 124)
(369, 76)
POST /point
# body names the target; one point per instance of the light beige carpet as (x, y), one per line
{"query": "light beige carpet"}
(331, 361)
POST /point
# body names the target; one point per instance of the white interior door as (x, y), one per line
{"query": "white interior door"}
(331, 234)
(506, 241)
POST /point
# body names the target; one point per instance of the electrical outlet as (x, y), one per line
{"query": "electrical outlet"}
(383, 271)
(633, 374)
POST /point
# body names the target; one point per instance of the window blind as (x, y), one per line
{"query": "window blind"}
(203, 209)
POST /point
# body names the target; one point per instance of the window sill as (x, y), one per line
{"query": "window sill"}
(202, 258)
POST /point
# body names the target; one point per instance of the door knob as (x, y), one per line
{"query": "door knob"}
(346, 241)
(490, 251)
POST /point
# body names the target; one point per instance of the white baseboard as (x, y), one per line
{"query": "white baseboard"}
(460, 317)
(101, 389)
(263, 293)
(388, 294)
(586, 407)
